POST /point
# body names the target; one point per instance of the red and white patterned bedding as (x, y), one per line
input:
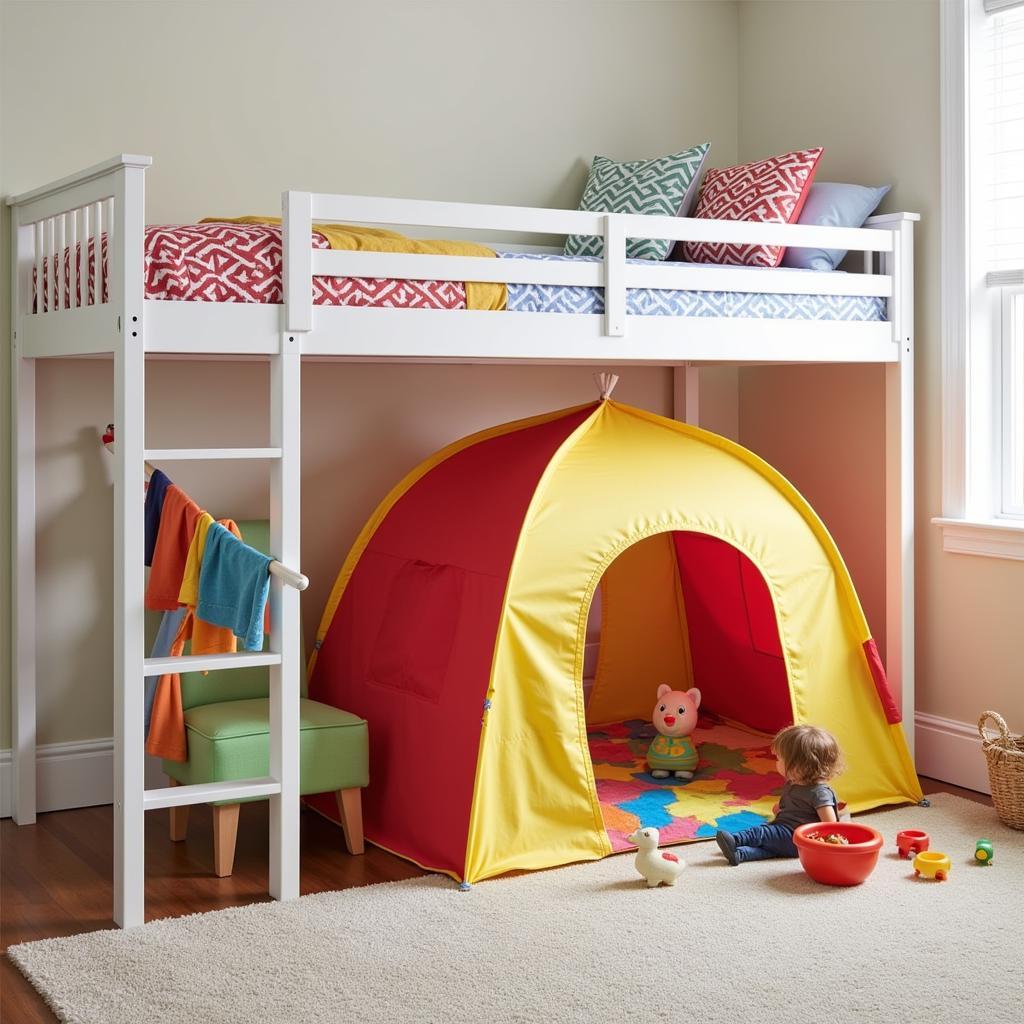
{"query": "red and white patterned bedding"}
(242, 263)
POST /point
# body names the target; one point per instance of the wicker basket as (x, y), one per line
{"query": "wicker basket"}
(1005, 756)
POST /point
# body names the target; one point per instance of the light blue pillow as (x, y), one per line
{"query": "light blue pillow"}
(837, 206)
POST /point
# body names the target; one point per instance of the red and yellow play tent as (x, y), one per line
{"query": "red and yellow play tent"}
(457, 628)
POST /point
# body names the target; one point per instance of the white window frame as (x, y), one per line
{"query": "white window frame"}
(1012, 355)
(976, 324)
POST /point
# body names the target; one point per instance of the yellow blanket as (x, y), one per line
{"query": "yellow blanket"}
(479, 295)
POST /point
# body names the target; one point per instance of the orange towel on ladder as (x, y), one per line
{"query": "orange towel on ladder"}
(177, 526)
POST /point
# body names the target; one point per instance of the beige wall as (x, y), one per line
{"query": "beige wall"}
(861, 79)
(477, 101)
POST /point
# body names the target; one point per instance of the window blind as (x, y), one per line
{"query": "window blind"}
(1001, 193)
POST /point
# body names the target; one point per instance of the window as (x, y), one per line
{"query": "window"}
(983, 276)
(1001, 209)
(1000, 136)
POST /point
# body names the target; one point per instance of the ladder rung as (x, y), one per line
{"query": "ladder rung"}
(208, 662)
(208, 792)
(188, 454)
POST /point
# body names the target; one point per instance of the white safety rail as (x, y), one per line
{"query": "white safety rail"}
(613, 336)
(106, 202)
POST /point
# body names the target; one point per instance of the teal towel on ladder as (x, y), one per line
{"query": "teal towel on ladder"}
(233, 586)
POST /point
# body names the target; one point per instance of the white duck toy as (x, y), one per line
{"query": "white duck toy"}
(655, 865)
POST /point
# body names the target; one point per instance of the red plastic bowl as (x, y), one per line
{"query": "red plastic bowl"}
(838, 864)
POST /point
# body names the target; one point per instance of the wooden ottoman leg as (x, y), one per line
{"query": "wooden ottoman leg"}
(225, 831)
(179, 818)
(350, 807)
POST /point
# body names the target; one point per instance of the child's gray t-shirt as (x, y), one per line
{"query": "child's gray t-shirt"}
(799, 804)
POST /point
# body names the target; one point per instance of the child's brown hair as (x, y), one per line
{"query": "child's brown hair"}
(809, 753)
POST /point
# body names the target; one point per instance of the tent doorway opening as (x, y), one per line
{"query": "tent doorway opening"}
(688, 610)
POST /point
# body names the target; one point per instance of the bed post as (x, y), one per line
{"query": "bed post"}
(899, 477)
(297, 261)
(24, 239)
(285, 630)
(686, 394)
(285, 495)
(125, 286)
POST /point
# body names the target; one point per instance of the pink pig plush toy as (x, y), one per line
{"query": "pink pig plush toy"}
(675, 716)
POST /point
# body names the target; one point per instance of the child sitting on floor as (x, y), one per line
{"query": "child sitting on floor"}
(807, 757)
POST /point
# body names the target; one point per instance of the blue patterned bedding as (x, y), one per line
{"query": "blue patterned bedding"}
(558, 298)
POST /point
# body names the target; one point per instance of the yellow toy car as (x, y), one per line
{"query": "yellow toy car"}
(932, 864)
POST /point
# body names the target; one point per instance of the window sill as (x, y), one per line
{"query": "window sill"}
(1001, 538)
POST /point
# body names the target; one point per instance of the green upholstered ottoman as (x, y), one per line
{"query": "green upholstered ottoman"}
(227, 724)
(229, 740)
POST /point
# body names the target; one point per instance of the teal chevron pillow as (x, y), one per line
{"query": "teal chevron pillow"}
(665, 186)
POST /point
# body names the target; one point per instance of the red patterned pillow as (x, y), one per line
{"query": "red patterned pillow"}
(771, 190)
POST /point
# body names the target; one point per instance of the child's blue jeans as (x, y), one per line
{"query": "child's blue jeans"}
(763, 842)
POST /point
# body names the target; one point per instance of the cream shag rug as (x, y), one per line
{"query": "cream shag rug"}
(585, 944)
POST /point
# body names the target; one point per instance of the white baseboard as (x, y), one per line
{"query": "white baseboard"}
(950, 751)
(79, 774)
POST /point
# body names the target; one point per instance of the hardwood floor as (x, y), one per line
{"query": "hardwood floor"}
(55, 877)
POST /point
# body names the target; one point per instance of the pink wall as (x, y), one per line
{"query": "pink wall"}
(822, 428)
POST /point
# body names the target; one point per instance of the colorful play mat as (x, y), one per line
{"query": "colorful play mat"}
(735, 785)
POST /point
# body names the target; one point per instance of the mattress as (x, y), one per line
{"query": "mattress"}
(220, 262)
(556, 298)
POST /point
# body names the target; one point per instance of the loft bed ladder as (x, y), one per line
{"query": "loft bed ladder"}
(110, 199)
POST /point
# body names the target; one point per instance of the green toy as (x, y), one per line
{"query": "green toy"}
(983, 851)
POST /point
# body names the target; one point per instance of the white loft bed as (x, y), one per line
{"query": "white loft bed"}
(109, 198)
